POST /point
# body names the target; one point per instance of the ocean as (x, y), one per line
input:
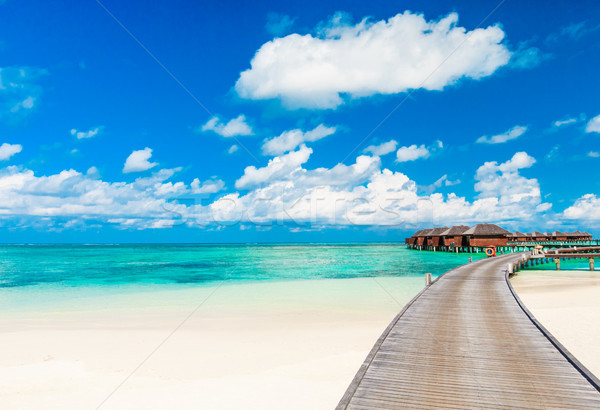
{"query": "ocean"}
(199, 265)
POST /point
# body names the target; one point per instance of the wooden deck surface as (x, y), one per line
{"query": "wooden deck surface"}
(465, 342)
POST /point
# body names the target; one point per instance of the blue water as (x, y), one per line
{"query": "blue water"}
(114, 265)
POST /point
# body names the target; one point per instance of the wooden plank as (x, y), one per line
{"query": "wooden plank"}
(467, 342)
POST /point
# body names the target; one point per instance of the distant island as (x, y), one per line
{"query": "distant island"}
(490, 238)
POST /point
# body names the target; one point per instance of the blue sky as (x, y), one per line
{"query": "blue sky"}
(178, 121)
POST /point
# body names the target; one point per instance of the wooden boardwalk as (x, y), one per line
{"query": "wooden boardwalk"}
(465, 342)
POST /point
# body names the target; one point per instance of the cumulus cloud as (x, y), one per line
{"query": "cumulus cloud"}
(503, 180)
(383, 57)
(363, 193)
(8, 150)
(233, 149)
(210, 186)
(19, 90)
(85, 134)
(137, 161)
(382, 149)
(283, 191)
(593, 154)
(276, 167)
(593, 125)
(71, 194)
(586, 208)
(513, 133)
(232, 128)
(290, 140)
(414, 152)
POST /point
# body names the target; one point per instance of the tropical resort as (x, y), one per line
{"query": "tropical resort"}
(483, 236)
(213, 205)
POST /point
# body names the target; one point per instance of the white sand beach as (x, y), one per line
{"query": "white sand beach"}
(272, 345)
(567, 303)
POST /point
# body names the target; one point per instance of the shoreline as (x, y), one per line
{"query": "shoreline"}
(296, 344)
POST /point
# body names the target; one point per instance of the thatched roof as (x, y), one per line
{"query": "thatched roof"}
(586, 233)
(456, 230)
(438, 231)
(536, 233)
(426, 232)
(418, 233)
(519, 235)
(558, 233)
(486, 230)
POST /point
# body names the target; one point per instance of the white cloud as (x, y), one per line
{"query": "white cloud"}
(26, 104)
(143, 203)
(19, 89)
(233, 128)
(282, 191)
(442, 181)
(232, 149)
(290, 140)
(593, 154)
(86, 134)
(382, 149)
(593, 125)
(137, 161)
(513, 133)
(8, 150)
(586, 208)
(382, 57)
(562, 123)
(208, 187)
(503, 180)
(414, 152)
(276, 167)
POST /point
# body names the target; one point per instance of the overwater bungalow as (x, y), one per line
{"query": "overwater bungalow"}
(436, 239)
(485, 235)
(453, 237)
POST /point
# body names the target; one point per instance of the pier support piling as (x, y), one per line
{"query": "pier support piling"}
(428, 279)
(557, 261)
(592, 264)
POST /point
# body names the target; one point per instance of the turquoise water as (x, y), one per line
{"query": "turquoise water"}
(567, 264)
(116, 265)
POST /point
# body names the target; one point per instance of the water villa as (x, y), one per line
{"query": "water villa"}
(483, 236)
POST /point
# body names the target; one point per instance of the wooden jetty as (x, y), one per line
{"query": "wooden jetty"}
(466, 341)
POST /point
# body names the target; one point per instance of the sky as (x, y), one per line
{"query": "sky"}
(180, 121)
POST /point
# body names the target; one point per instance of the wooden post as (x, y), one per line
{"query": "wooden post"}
(428, 279)
(470, 259)
(591, 264)
(557, 261)
(510, 269)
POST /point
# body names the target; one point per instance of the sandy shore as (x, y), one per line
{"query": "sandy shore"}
(567, 303)
(293, 345)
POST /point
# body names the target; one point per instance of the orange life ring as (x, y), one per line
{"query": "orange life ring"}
(490, 251)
